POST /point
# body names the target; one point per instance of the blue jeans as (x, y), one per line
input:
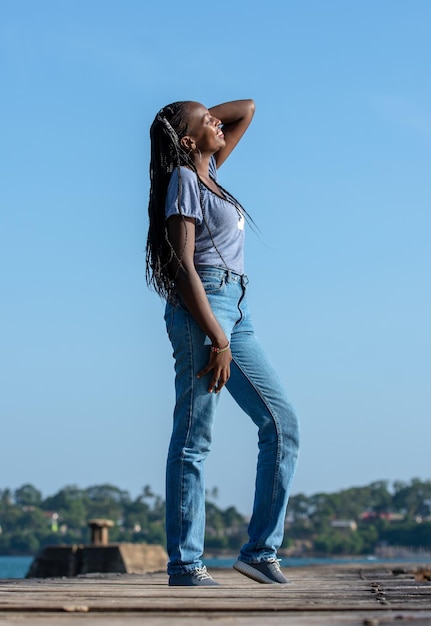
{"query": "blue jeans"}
(256, 388)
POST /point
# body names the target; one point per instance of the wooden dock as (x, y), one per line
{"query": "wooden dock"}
(318, 596)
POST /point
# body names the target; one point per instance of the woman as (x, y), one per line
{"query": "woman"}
(195, 261)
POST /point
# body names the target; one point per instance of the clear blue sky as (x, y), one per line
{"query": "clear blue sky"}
(335, 170)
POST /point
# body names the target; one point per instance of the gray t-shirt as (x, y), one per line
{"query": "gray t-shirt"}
(219, 229)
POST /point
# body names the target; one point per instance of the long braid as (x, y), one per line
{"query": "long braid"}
(167, 154)
(240, 209)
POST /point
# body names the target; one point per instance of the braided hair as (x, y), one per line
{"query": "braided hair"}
(167, 153)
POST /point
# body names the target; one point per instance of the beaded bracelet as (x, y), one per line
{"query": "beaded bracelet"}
(220, 350)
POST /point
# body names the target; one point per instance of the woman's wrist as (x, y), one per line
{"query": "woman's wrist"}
(219, 350)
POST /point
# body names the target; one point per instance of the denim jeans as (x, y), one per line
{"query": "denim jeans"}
(256, 388)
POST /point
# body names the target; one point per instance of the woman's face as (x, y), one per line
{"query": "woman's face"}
(203, 129)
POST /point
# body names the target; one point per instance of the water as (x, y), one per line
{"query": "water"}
(17, 566)
(14, 566)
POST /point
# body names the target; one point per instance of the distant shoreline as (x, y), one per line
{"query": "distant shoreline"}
(18, 566)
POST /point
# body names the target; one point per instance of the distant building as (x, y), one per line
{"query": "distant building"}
(344, 524)
(390, 517)
(53, 519)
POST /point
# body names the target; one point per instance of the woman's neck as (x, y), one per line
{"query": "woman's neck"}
(202, 164)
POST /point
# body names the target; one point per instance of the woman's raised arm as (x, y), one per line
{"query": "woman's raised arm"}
(235, 117)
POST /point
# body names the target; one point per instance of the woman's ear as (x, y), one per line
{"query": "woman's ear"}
(188, 143)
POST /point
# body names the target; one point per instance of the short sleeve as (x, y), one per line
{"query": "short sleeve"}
(190, 197)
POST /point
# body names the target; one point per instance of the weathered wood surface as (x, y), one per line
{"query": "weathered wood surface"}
(318, 596)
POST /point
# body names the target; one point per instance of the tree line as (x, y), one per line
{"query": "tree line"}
(352, 521)
(377, 515)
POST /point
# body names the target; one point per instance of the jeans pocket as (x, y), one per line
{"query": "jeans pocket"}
(212, 283)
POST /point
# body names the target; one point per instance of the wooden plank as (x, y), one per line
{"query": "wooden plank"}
(321, 595)
(297, 619)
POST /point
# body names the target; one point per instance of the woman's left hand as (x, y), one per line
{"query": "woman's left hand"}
(219, 364)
